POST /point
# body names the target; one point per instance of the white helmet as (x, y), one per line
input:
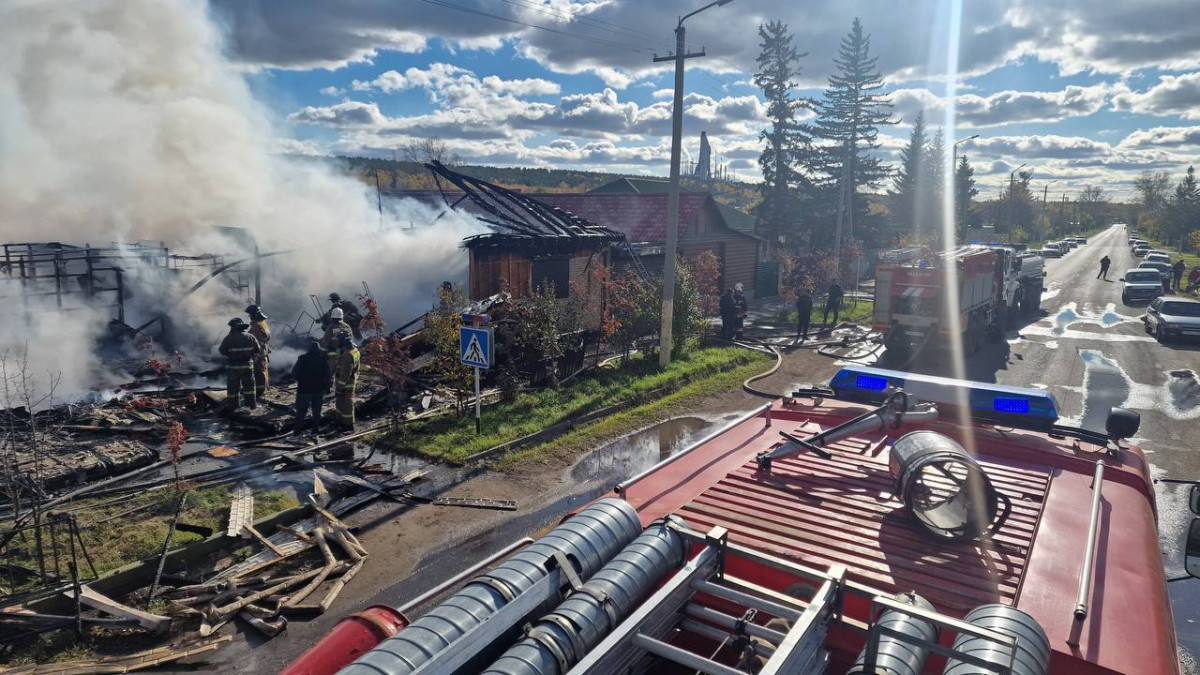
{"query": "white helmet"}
(737, 287)
(337, 314)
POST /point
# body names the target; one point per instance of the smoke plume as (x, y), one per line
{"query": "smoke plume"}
(122, 121)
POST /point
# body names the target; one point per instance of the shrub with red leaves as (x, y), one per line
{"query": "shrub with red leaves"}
(176, 435)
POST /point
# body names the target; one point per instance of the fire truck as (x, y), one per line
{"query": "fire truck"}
(995, 286)
(889, 523)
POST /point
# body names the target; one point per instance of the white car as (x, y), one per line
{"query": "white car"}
(1171, 316)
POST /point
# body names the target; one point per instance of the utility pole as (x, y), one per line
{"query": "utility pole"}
(669, 255)
(1045, 192)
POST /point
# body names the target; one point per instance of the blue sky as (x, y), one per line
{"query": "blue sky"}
(1087, 93)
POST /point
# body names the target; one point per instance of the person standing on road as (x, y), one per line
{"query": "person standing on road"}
(804, 308)
(1104, 263)
(1177, 274)
(1193, 279)
(312, 381)
(833, 303)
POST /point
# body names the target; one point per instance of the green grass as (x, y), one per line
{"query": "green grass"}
(859, 312)
(131, 537)
(626, 421)
(453, 438)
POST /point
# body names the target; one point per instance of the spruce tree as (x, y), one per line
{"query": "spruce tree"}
(848, 119)
(964, 192)
(933, 188)
(905, 182)
(786, 143)
(1183, 209)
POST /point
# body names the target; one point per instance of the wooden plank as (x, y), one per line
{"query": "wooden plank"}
(96, 600)
(263, 540)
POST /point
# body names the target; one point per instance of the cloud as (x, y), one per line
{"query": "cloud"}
(1172, 96)
(332, 91)
(1005, 107)
(445, 81)
(1039, 147)
(345, 114)
(1163, 137)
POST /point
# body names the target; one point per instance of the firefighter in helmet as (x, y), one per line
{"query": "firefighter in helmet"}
(240, 349)
(343, 361)
(334, 325)
(350, 314)
(261, 332)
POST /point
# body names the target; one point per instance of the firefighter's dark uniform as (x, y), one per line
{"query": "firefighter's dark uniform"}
(239, 349)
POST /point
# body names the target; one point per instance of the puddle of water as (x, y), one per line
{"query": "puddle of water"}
(1104, 386)
(639, 451)
(1184, 390)
(1065, 317)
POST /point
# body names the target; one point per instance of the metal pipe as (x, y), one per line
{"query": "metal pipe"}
(462, 576)
(625, 484)
(1089, 552)
(772, 608)
(717, 635)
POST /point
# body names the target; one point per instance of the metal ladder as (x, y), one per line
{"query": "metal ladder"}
(647, 632)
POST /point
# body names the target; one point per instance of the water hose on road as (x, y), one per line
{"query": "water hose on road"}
(746, 386)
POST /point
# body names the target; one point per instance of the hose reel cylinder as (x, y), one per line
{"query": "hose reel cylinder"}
(582, 621)
(893, 656)
(589, 540)
(1033, 647)
(944, 488)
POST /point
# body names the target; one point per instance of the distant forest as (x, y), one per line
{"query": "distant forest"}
(401, 175)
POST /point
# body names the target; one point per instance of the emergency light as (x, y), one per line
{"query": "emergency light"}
(1020, 407)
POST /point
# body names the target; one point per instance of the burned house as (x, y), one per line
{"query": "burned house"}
(530, 242)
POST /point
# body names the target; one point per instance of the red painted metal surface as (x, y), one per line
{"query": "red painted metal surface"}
(842, 511)
(352, 637)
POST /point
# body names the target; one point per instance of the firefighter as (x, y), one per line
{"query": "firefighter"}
(804, 307)
(334, 326)
(350, 314)
(741, 309)
(261, 332)
(312, 382)
(239, 349)
(833, 303)
(344, 364)
(1104, 263)
(728, 314)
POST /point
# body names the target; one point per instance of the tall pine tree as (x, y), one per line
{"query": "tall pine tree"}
(964, 192)
(933, 188)
(905, 199)
(1183, 209)
(848, 121)
(786, 143)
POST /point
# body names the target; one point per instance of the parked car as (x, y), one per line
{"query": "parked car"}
(1163, 268)
(1081, 240)
(1141, 285)
(1156, 256)
(1139, 242)
(1132, 240)
(1069, 243)
(1172, 316)
(1141, 250)
(1050, 251)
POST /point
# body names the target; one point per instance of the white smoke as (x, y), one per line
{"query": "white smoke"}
(121, 120)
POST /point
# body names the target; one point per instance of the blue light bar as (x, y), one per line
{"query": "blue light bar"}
(1021, 407)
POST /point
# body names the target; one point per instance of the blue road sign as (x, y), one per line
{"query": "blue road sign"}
(475, 346)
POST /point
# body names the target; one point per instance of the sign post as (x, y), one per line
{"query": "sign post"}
(475, 343)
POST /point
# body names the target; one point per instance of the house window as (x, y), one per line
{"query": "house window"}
(555, 271)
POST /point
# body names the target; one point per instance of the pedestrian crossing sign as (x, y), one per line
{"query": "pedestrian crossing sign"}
(475, 346)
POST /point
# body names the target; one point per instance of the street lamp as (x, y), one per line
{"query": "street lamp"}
(1012, 177)
(1045, 193)
(954, 183)
(668, 299)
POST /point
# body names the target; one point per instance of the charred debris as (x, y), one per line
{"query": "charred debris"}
(165, 430)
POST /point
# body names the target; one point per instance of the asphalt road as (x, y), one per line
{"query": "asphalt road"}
(1092, 351)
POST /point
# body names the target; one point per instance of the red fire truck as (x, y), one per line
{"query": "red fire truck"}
(994, 285)
(892, 523)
